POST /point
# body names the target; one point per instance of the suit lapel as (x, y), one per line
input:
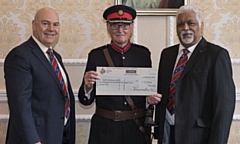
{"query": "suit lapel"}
(199, 50)
(61, 63)
(41, 57)
(169, 62)
(172, 56)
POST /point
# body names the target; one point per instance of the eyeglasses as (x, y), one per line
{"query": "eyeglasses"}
(116, 26)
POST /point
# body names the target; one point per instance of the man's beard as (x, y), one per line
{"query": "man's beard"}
(187, 40)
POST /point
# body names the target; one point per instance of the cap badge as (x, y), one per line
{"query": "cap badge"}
(120, 12)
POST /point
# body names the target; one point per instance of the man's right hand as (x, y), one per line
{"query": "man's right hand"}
(90, 78)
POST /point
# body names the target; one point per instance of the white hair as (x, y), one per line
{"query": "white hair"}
(185, 8)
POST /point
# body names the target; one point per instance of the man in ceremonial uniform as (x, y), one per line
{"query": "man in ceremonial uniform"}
(106, 127)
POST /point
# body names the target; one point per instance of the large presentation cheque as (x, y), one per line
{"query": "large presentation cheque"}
(126, 81)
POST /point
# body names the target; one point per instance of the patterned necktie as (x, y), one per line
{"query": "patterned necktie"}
(58, 73)
(175, 78)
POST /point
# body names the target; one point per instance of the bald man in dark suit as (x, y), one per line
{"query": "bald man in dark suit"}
(35, 96)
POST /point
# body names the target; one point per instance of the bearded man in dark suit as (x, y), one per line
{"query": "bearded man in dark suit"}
(200, 109)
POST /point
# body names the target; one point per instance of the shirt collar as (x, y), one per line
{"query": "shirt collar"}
(42, 47)
(190, 49)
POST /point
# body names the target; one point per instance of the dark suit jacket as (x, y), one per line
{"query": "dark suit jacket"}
(107, 131)
(205, 95)
(35, 98)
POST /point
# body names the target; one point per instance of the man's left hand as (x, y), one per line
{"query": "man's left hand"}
(154, 99)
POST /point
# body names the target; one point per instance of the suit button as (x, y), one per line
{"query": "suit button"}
(141, 129)
(125, 103)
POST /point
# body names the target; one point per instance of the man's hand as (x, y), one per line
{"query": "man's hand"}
(154, 99)
(90, 78)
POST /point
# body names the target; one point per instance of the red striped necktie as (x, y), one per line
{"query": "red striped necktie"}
(58, 73)
(175, 78)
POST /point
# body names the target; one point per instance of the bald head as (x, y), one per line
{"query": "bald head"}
(45, 11)
(46, 26)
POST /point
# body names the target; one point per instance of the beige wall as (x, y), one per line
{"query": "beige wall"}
(83, 29)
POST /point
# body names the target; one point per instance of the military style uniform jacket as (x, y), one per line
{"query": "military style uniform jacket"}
(107, 131)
